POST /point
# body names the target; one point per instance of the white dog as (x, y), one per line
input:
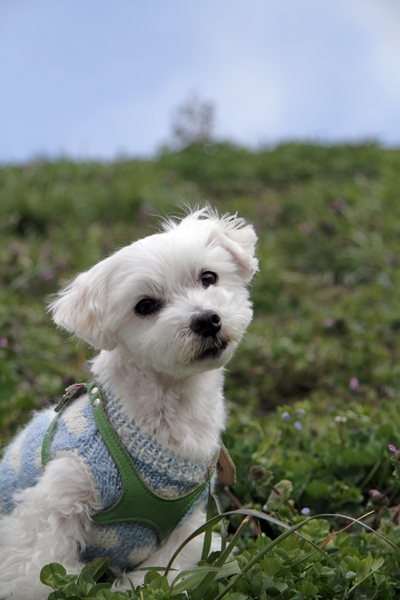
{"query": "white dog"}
(123, 470)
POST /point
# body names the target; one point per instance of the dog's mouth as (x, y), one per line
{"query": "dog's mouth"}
(214, 350)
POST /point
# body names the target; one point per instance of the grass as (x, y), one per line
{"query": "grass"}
(313, 389)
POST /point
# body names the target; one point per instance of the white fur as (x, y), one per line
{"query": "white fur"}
(152, 364)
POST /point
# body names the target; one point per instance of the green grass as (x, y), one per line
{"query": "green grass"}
(313, 390)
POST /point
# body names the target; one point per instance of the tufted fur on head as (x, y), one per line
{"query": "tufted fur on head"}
(231, 231)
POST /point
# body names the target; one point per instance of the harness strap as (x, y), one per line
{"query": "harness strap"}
(72, 392)
(137, 503)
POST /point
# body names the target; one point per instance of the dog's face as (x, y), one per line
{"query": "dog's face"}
(177, 300)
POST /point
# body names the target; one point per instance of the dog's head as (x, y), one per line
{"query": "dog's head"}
(176, 300)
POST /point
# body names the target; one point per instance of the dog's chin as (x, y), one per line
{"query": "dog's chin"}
(213, 352)
(199, 356)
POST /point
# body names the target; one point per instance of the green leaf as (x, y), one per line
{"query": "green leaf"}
(379, 579)
(150, 576)
(105, 594)
(363, 567)
(208, 532)
(99, 587)
(71, 589)
(318, 489)
(377, 563)
(85, 583)
(276, 585)
(197, 575)
(271, 566)
(53, 575)
(324, 587)
(97, 567)
(308, 589)
(159, 583)
(316, 530)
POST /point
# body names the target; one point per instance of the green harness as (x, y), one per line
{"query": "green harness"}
(137, 501)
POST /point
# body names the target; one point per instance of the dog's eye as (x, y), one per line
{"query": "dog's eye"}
(147, 306)
(208, 278)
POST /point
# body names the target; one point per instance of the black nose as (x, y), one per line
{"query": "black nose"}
(207, 323)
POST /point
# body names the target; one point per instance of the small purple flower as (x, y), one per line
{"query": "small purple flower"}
(302, 412)
(329, 322)
(285, 416)
(3, 342)
(338, 206)
(265, 508)
(305, 511)
(353, 384)
(62, 264)
(297, 425)
(48, 275)
(15, 249)
(393, 449)
(377, 496)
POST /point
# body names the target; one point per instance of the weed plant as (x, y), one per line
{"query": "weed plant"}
(312, 391)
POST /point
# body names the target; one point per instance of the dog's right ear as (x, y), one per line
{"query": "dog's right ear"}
(239, 238)
(81, 306)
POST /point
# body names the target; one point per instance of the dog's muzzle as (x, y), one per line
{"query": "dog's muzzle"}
(207, 324)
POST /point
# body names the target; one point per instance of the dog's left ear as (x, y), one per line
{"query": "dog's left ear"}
(81, 307)
(240, 240)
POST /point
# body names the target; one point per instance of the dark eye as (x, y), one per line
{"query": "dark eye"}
(208, 278)
(147, 306)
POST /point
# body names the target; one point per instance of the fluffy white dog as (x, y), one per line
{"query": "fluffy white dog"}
(123, 470)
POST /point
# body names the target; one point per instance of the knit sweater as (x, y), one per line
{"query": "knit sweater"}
(168, 475)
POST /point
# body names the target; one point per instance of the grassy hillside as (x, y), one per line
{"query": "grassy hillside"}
(313, 389)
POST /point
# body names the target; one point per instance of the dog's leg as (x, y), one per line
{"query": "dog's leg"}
(48, 524)
(187, 558)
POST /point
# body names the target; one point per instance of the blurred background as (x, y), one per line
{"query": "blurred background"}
(102, 80)
(114, 113)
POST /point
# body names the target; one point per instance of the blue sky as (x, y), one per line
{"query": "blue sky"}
(101, 78)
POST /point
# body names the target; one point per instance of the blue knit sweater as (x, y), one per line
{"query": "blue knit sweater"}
(165, 473)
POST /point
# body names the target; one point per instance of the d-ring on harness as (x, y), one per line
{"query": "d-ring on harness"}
(137, 501)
